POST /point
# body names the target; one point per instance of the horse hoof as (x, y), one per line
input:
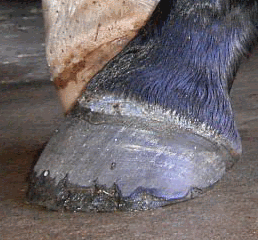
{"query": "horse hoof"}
(106, 162)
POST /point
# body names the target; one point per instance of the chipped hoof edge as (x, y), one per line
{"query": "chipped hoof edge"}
(98, 198)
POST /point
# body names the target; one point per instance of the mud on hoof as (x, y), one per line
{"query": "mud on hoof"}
(105, 161)
(65, 195)
(156, 123)
(95, 198)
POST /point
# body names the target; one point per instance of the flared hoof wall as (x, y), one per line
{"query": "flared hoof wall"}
(106, 163)
(155, 126)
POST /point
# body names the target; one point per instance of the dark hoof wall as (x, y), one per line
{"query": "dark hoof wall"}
(104, 163)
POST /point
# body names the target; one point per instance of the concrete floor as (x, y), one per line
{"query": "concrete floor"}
(29, 114)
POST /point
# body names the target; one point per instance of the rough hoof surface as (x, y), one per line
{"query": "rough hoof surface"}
(101, 162)
(67, 196)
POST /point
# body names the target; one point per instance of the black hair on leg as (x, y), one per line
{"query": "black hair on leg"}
(185, 60)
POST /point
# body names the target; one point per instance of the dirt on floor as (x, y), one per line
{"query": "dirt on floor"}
(30, 113)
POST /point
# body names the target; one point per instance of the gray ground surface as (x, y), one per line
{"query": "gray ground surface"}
(30, 112)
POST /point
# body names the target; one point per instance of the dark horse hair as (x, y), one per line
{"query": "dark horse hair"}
(185, 59)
